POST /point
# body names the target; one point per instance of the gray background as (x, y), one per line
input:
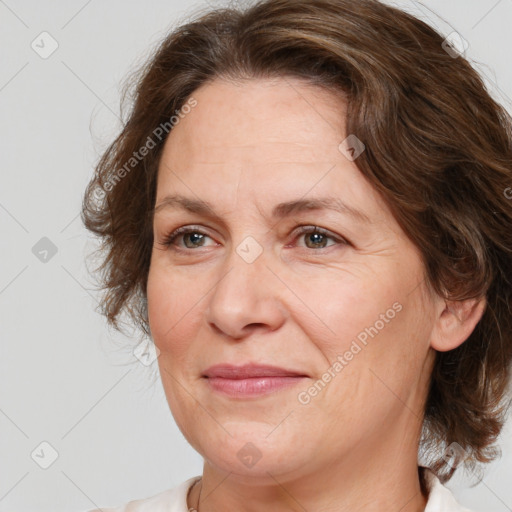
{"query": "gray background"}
(65, 379)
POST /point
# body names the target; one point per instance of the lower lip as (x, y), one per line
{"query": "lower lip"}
(254, 386)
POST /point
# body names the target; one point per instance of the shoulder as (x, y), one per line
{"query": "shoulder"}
(170, 500)
(440, 498)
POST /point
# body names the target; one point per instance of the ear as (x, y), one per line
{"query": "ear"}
(455, 322)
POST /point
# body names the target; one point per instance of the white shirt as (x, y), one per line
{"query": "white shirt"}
(440, 499)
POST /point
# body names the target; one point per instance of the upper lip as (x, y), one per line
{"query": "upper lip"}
(250, 370)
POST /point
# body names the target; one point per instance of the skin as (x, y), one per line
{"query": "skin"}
(244, 148)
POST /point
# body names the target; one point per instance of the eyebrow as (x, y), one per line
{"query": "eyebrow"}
(280, 211)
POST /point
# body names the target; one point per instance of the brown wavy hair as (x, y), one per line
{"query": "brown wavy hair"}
(438, 150)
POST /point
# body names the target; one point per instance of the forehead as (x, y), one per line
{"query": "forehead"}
(273, 140)
(259, 118)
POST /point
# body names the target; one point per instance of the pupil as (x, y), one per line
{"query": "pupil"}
(194, 235)
(317, 236)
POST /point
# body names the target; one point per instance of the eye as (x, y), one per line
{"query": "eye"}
(191, 236)
(316, 238)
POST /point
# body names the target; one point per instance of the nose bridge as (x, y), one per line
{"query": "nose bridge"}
(246, 292)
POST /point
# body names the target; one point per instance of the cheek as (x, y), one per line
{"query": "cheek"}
(171, 316)
(374, 323)
(350, 309)
(158, 303)
(170, 310)
(385, 348)
(372, 367)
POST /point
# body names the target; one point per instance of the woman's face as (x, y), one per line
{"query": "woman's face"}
(344, 308)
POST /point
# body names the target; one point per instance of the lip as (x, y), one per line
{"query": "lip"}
(250, 380)
(248, 371)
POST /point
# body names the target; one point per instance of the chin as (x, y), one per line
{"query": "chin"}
(251, 454)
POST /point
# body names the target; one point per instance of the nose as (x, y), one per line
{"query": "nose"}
(246, 298)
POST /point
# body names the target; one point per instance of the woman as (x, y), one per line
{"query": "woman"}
(307, 213)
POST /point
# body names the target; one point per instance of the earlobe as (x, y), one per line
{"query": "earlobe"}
(456, 322)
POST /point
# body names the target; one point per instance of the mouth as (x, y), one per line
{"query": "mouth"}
(250, 380)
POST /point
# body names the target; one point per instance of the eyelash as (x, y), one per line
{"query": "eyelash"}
(169, 240)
